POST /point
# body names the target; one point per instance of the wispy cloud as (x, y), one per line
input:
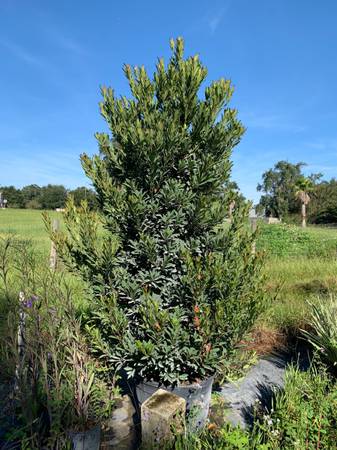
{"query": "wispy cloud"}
(70, 45)
(271, 122)
(65, 42)
(326, 145)
(21, 53)
(210, 21)
(214, 19)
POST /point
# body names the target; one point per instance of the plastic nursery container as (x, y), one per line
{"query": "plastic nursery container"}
(86, 440)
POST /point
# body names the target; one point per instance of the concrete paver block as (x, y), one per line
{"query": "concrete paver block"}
(163, 416)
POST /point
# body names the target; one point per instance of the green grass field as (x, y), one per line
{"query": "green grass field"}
(300, 264)
(27, 224)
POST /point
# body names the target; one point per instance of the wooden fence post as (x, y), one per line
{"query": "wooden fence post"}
(253, 224)
(21, 340)
(53, 254)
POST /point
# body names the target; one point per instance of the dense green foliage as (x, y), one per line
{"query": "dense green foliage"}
(175, 288)
(304, 416)
(323, 205)
(279, 188)
(51, 196)
(220, 438)
(282, 190)
(295, 276)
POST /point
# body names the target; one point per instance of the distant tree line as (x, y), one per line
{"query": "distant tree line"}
(285, 189)
(51, 196)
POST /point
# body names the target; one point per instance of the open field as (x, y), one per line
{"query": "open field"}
(300, 264)
(27, 224)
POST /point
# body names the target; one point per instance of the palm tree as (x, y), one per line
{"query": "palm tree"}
(303, 187)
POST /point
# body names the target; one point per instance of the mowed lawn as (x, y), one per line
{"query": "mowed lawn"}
(27, 224)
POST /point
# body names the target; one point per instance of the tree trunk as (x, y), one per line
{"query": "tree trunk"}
(304, 215)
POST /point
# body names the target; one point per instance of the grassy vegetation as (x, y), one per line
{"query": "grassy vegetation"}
(294, 281)
(300, 265)
(303, 417)
(291, 241)
(27, 224)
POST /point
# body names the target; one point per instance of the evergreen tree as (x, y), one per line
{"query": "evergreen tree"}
(176, 287)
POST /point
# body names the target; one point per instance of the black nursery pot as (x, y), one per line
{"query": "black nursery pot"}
(197, 396)
(86, 440)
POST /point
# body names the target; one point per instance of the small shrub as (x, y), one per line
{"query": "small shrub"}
(323, 322)
(33, 204)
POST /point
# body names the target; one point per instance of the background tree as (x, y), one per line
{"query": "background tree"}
(46, 197)
(53, 196)
(31, 196)
(175, 287)
(13, 196)
(323, 205)
(83, 193)
(304, 186)
(279, 188)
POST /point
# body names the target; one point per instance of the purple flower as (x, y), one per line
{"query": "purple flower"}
(28, 303)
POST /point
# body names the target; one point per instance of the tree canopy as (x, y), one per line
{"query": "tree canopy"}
(323, 205)
(46, 197)
(279, 188)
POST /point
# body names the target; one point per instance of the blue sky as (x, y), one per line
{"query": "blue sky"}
(281, 55)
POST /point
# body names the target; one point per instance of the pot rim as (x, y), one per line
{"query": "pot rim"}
(187, 385)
